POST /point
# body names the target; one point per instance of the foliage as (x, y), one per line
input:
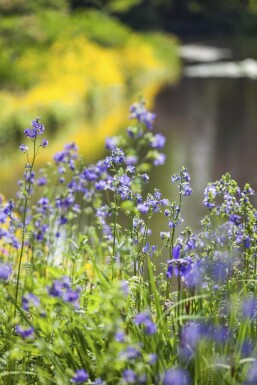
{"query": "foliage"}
(81, 300)
(75, 68)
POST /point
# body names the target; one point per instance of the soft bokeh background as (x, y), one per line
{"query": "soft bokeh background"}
(79, 64)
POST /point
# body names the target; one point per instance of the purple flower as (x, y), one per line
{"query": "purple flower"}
(175, 178)
(159, 159)
(24, 148)
(24, 333)
(41, 181)
(5, 271)
(146, 248)
(236, 219)
(145, 319)
(111, 143)
(145, 177)
(71, 297)
(80, 376)
(37, 129)
(252, 374)
(152, 358)
(143, 208)
(186, 189)
(169, 271)
(118, 156)
(63, 220)
(130, 353)
(249, 306)
(176, 377)
(139, 112)
(131, 160)
(44, 143)
(29, 300)
(176, 251)
(98, 381)
(158, 141)
(129, 376)
(247, 242)
(119, 336)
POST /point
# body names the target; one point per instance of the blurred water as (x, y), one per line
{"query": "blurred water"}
(211, 128)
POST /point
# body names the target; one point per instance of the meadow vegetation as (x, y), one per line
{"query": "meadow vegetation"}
(81, 300)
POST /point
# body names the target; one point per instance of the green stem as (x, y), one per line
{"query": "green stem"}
(27, 194)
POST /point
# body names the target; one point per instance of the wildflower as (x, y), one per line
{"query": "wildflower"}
(37, 129)
(29, 300)
(44, 143)
(176, 377)
(145, 319)
(143, 208)
(41, 181)
(236, 219)
(152, 358)
(118, 156)
(159, 159)
(145, 177)
(5, 271)
(175, 178)
(146, 248)
(164, 235)
(131, 169)
(247, 242)
(139, 112)
(80, 376)
(131, 160)
(176, 251)
(111, 143)
(252, 374)
(129, 376)
(119, 336)
(248, 307)
(186, 189)
(98, 381)
(24, 148)
(130, 353)
(158, 141)
(24, 333)
(124, 287)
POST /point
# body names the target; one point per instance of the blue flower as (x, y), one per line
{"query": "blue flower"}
(119, 336)
(176, 377)
(24, 148)
(118, 156)
(5, 271)
(44, 143)
(29, 300)
(158, 141)
(37, 129)
(111, 143)
(143, 208)
(24, 333)
(159, 159)
(80, 376)
(139, 112)
(41, 181)
(129, 376)
(252, 374)
(145, 319)
(176, 251)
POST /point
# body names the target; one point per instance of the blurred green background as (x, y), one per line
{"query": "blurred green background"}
(76, 68)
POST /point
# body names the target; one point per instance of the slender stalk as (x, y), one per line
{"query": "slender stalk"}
(27, 194)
